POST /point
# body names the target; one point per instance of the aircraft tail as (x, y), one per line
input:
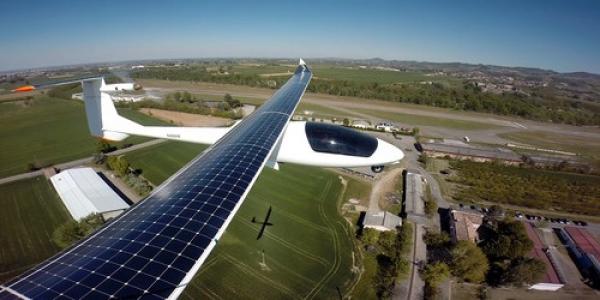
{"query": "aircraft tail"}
(103, 120)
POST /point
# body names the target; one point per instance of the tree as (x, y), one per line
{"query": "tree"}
(469, 263)
(431, 207)
(369, 236)
(496, 212)
(119, 164)
(387, 241)
(105, 147)
(434, 274)
(232, 102)
(177, 96)
(346, 122)
(523, 270)
(508, 241)
(186, 97)
(386, 276)
(436, 240)
(71, 232)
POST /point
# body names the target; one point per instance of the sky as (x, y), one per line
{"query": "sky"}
(558, 35)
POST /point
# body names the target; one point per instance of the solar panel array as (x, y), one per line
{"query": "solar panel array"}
(155, 248)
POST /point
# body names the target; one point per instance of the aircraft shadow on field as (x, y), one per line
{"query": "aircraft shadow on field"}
(264, 223)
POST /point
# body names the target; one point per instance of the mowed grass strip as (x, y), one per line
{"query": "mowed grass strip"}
(367, 75)
(582, 145)
(325, 71)
(307, 250)
(421, 120)
(49, 131)
(30, 213)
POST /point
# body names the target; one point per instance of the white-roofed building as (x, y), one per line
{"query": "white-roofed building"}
(83, 192)
(381, 220)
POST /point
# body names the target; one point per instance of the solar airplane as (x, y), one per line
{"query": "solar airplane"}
(153, 250)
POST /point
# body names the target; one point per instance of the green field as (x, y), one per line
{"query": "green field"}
(308, 250)
(30, 213)
(368, 75)
(160, 161)
(418, 120)
(260, 69)
(345, 73)
(48, 131)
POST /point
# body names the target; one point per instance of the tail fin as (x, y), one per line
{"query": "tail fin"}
(102, 114)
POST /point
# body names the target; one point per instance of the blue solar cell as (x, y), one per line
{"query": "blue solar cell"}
(162, 238)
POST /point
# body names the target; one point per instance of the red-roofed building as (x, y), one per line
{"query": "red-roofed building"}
(586, 251)
(552, 280)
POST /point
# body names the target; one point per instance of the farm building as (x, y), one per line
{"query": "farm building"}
(464, 225)
(361, 124)
(584, 249)
(413, 193)
(381, 220)
(387, 127)
(83, 192)
(553, 279)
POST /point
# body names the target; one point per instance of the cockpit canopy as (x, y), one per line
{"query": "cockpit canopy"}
(339, 140)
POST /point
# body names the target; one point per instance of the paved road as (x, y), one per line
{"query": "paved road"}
(79, 162)
(419, 257)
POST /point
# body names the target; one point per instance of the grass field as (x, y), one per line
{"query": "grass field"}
(49, 131)
(421, 120)
(582, 145)
(30, 213)
(356, 74)
(261, 69)
(307, 252)
(369, 75)
(160, 161)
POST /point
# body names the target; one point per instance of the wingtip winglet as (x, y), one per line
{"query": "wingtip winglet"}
(25, 88)
(302, 63)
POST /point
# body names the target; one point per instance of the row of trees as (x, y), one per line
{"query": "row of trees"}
(180, 102)
(122, 168)
(391, 248)
(527, 187)
(464, 96)
(185, 97)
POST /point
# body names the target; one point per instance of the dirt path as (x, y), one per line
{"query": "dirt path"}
(381, 187)
(186, 119)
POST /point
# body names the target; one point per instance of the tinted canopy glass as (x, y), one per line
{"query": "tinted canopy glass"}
(339, 140)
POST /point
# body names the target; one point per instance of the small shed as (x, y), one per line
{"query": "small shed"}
(381, 220)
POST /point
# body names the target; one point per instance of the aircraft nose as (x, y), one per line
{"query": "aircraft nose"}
(387, 153)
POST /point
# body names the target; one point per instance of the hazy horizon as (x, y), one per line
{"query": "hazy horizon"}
(307, 59)
(551, 35)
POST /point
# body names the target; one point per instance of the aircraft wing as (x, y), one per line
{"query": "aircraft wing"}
(154, 249)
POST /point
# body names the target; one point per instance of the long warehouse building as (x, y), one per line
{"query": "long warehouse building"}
(83, 192)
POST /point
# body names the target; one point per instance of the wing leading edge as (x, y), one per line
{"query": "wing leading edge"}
(155, 248)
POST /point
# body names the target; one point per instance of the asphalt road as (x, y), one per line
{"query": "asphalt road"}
(79, 162)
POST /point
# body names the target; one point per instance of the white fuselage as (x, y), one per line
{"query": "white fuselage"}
(336, 146)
